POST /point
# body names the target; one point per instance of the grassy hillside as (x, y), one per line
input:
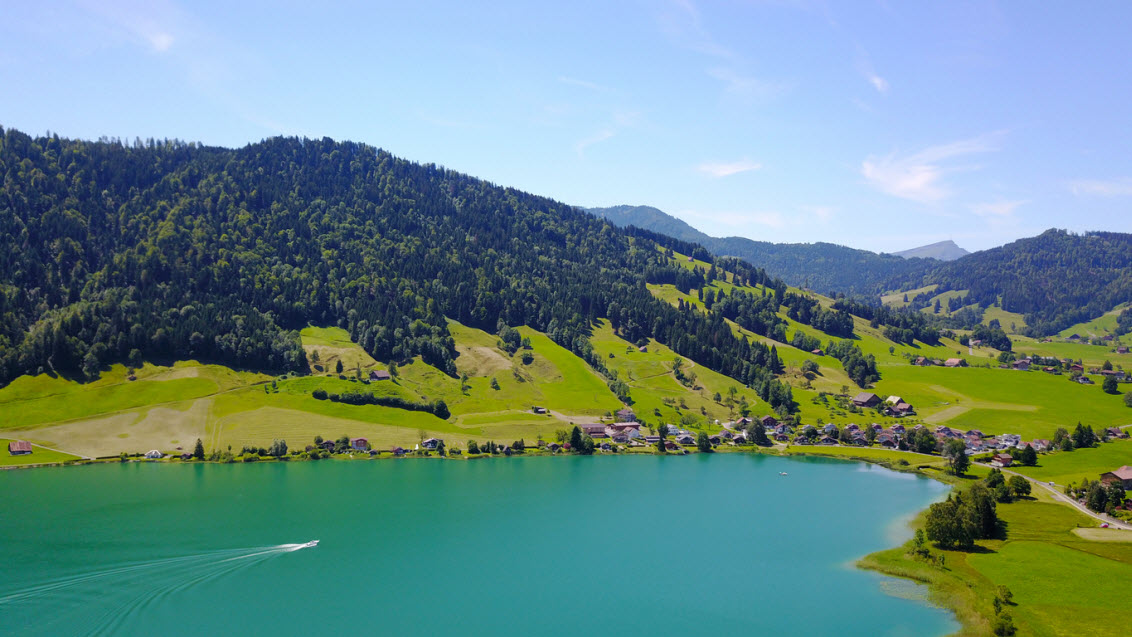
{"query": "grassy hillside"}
(1100, 326)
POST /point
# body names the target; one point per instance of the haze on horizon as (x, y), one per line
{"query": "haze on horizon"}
(879, 126)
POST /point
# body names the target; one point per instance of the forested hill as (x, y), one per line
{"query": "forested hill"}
(113, 252)
(825, 267)
(1055, 279)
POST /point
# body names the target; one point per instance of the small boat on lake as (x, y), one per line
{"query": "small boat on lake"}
(311, 544)
(782, 473)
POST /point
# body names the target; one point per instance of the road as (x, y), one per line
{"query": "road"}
(1058, 495)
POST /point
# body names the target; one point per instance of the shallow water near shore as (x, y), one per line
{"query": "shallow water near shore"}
(544, 546)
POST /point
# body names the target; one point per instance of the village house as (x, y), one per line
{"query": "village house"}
(154, 454)
(1118, 374)
(358, 443)
(900, 409)
(625, 415)
(380, 374)
(826, 440)
(1039, 444)
(782, 437)
(1022, 365)
(955, 362)
(605, 446)
(652, 440)
(1122, 350)
(829, 428)
(1116, 432)
(327, 445)
(19, 448)
(535, 409)
(432, 443)
(714, 440)
(1001, 460)
(685, 439)
(1076, 368)
(866, 399)
(1085, 380)
(1074, 337)
(630, 429)
(923, 361)
(619, 437)
(1122, 475)
(769, 422)
(818, 352)
(398, 451)
(670, 446)
(594, 430)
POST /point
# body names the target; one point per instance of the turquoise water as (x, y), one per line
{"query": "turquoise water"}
(523, 546)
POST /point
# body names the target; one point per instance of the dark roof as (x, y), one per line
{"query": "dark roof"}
(19, 446)
(380, 374)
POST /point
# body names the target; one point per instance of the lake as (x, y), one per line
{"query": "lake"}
(642, 545)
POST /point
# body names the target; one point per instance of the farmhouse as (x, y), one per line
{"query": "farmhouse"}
(685, 439)
(1022, 365)
(955, 362)
(866, 399)
(380, 374)
(1122, 350)
(818, 352)
(901, 409)
(626, 415)
(923, 361)
(1002, 460)
(594, 430)
(432, 443)
(19, 448)
(769, 422)
(1039, 444)
(358, 443)
(1116, 432)
(1076, 368)
(630, 429)
(1122, 475)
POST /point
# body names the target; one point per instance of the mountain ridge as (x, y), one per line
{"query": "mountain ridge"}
(946, 250)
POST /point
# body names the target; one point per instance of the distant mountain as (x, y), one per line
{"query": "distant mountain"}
(943, 251)
(825, 267)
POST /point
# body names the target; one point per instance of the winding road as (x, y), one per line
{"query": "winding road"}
(1058, 495)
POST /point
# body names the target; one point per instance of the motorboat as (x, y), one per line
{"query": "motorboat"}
(782, 473)
(311, 544)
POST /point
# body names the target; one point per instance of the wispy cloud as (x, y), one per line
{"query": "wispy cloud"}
(747, 87)
(598, 137)
(573, 81)
(1119, 187)
(680, 20)
(150, 23)
(822, 213)
(726, 169)
(919, 176)
(865, 68)
(739, 219)
(997, 209)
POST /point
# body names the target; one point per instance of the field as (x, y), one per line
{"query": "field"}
(1064, 467)
(1051, 571)
(39, 455)
(1104, 324)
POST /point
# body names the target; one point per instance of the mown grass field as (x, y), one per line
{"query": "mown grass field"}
(39, 455)
(1064, 467)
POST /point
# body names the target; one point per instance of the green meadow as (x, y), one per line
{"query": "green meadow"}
(1064, 467)
(39, 455)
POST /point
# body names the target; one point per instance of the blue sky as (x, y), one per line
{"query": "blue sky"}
(879, 125)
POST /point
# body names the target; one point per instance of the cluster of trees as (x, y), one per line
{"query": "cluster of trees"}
(1006, 490)
(1097, 495)
(964, 517)
(437, 407)
(861, 368)
(1082, 437)
(991, 335)
(901, 325)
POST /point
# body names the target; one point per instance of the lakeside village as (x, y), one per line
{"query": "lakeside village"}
(623, 434)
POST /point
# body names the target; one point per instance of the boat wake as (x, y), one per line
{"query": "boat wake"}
(110, 598)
